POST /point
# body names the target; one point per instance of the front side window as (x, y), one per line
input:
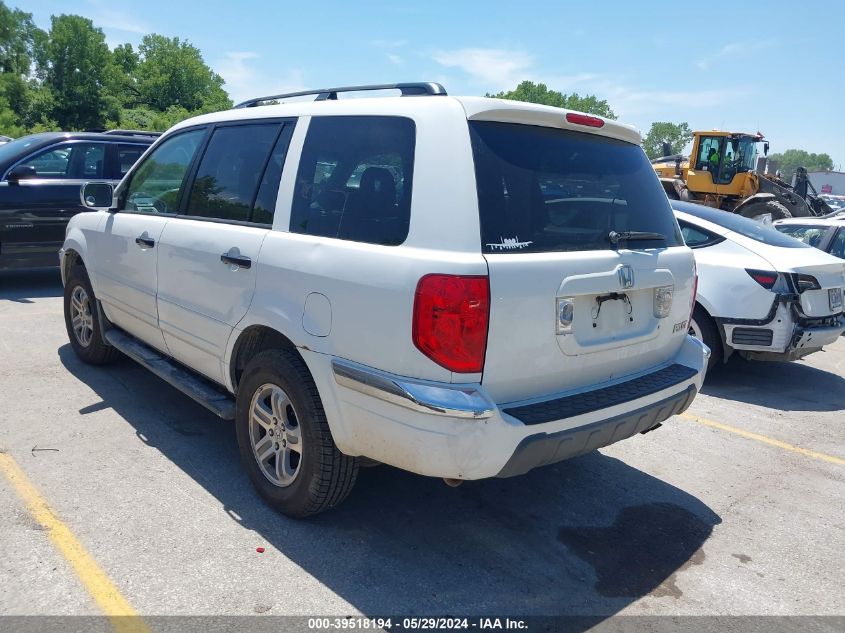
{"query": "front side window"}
(69, 160)
(354, 179)
(543, 189)
(156, 184)
(228, 174)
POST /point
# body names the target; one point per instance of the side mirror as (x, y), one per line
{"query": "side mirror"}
(765, 149)
(21, 172)
(97, 195)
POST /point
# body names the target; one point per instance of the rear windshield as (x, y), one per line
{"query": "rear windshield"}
(738, 224)
(811, 234)
(544, 190)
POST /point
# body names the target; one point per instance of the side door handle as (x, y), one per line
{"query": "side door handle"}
(236, 260)
(145, 242)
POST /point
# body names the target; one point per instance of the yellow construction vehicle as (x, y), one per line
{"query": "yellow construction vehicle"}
(722, 172)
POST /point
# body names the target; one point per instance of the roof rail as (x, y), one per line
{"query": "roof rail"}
(408, 89)
(132, 132)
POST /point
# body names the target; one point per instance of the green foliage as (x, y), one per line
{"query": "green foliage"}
(792, 158)
(173, 73)
(17, 41)
(78, 68)
(540, 93)
(68, 78)
(676, 134)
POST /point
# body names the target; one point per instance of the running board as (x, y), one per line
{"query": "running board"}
(199, 389)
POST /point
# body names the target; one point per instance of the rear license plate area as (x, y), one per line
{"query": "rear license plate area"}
(834, 296)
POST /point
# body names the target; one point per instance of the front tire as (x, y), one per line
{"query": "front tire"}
(83, 321)
(703, 328)
(284, 439)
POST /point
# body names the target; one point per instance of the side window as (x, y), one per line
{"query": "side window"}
(128, 155)
(354, 179)
(837, 249)
(696, 237)
(709, 153)
(70, 160)
(155, 185)
(230, 170)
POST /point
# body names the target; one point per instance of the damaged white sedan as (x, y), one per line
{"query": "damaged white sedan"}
(761, 294)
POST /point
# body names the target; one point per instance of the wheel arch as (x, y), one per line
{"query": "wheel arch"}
(70, 257)
(727, 350)
(249, 342)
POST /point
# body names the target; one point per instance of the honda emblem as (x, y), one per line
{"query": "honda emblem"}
(626, 276)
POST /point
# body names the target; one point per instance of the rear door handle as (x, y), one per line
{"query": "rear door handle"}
(145, 242)
(236, 260)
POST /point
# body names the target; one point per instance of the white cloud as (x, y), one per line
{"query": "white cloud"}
(494, 68)
(244, 81)
(732, 49)
(502, 69)
(395, 59)
(108, 18)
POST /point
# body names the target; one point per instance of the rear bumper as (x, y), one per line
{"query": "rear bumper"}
(457, 431)
(788, 335)
(549, 448)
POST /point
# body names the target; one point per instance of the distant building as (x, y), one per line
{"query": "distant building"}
(832, 182)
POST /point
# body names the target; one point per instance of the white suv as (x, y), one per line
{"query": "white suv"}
(459, 287)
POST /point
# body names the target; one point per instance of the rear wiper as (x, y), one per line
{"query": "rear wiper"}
(628, 236)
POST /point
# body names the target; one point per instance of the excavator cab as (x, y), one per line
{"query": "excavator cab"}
(723, 163)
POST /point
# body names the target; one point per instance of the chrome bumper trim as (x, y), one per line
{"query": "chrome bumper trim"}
(455, 401)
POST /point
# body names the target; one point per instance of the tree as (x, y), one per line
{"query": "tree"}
(792, 158)
(540, 93)
(78, 69)
(676, 134)
(173, 73)
(20, 43)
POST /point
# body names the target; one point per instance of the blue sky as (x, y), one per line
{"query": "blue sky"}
(771, 66)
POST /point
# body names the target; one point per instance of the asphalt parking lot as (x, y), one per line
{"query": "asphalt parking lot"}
(734, 509)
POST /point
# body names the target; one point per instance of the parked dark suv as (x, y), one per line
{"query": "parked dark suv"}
(40, 179)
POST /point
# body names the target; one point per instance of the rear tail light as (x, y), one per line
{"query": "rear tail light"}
(451, 315)
(807, 282)
(663, 301)
(584, 119)
(765, 278)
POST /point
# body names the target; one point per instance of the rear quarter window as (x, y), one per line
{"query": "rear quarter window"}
(544, 189)
(355, 179)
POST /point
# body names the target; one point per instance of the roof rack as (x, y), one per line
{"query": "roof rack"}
(324, 94)
(132, 132)
(100, 130)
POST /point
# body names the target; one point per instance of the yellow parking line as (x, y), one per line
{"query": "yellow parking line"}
(99, 585)
(766, 440)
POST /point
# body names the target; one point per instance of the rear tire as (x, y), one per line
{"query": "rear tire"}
(82, 320)
(772, 207)
(284, 438)
(703, 327)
